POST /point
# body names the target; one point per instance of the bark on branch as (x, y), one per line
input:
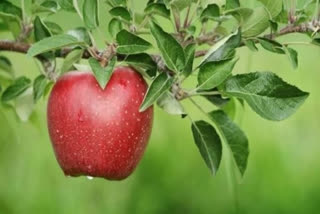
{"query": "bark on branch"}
(20, 47)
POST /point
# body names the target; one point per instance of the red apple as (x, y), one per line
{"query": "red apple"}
(96, 132)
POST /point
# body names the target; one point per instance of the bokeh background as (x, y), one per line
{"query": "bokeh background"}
(283, 174)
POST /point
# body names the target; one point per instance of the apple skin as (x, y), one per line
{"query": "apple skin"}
(96, 132)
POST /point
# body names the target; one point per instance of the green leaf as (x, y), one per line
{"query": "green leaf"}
(217, 100)
(121, 12)
(212, 11)
(190, 51)
(212, 74)
(39, 86)
(271, 45)
(129, 43)
(53, 43)
(151, 73)
(3, 26)
(241, 14)
(142, 60)
(73, 57)
(5, 64)
(257, 23)
(91, 13)
(316, 41)
(40, 29)
(7, 7)
(232, 4)
(233, 136)
(223, 49)
(48, 89)
(158, 9)
(11, 16)
(274, 26)
(170, 104)
(66, 5)
(158, 87)
(114, 27)
(51, 5)
(102, 75)
(53, 27)
(81, 34)
(13, 24)
(208, 143)
(192, 30)
(293, 56)
(41, 32)
(170, 49)
(251, 45)
(274, 7)
(282, 18)
(46, 7)
(267, 94)
(15, 89)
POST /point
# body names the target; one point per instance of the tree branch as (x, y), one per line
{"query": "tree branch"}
(23, 48)
(302, 28)
(20, 47)
(14, 46)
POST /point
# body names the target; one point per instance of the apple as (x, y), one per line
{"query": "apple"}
(96, 132)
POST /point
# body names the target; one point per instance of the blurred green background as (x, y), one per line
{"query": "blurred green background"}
(283, 174)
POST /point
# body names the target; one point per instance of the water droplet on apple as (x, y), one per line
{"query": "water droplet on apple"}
(89, 178)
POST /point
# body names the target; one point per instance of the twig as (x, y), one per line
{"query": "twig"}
(176, 16)
(200, 53)
(302, 28)
(186, 21)
(14, 46)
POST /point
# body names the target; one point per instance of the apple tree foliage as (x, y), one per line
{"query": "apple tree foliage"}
(168, 42)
